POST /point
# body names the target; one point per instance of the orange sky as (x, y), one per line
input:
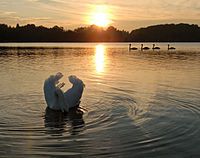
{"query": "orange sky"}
(126, 14)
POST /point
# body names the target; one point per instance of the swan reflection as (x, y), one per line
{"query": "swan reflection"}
(99, 58)
(57, 122)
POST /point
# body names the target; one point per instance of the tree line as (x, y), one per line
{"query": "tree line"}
(157, 33)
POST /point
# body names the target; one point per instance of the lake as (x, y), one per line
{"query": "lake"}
(136, 104)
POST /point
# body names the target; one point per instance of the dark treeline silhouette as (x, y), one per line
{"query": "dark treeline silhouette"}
(32, 33)
(167, 33)
(93, 33)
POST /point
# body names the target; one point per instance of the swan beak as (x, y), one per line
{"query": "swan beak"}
(58, 76)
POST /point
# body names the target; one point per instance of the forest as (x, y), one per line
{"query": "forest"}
(157, 33)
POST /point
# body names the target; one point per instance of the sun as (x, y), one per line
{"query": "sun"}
(100, 17)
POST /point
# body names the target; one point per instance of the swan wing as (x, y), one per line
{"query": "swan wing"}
(73, 95)
(54, 95)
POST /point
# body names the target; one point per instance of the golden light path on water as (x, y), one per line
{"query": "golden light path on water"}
(100, 58)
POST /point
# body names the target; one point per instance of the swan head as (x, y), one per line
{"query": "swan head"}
(75, 81)
(54, 79)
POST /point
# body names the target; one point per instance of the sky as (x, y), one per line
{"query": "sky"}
(122, 14)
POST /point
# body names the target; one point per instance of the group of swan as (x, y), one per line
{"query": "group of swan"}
(147, 48)
(56, 99)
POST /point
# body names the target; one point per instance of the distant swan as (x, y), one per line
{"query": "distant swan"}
(54, 96)
(132, 48)
(155, 47)
(144, 48)
(170, 48)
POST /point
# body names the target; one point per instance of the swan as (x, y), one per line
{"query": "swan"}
(53, 94)
(132, 48)
(169, 48)
(56, 99)
(73, 95)
(155, 47)
(144, 48)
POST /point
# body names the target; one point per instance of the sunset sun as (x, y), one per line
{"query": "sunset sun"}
(100, 17)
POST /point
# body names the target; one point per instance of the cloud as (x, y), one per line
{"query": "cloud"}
(13, 20)
(76, 12)
(6, 13)
(33, 0)
(155, 9)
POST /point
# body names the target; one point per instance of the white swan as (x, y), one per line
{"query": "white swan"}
(170, 48)
(144, 48)
(54, 96)
(73, 95)
(132, 48)
(155, 47)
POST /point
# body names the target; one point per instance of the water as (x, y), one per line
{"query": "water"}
(136, 104)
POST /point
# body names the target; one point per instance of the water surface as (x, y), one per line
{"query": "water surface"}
(136, 103)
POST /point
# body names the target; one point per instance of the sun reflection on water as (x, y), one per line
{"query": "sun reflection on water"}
(99, 58)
